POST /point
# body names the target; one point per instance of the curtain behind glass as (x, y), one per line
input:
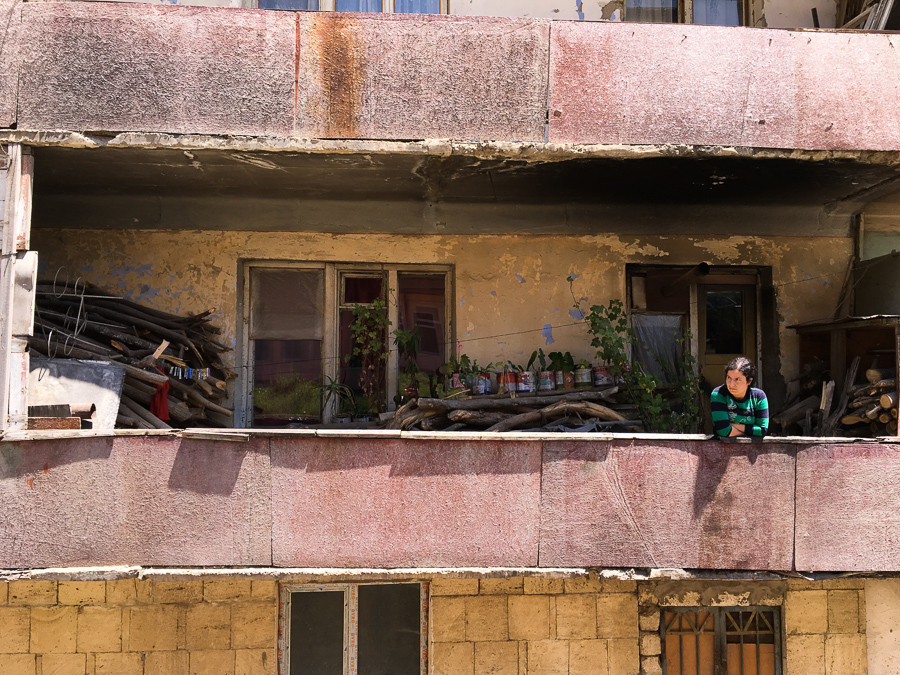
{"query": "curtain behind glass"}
(717, 12)
(651, 11)
(417, 6)
(657, 345)
(358, 5)
(301, 5)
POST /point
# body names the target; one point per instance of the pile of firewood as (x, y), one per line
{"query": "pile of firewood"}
(154, 348)
(546, 410)
(872, 407)
(861, 410)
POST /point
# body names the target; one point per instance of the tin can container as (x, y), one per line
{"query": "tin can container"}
(602, 377)
(546, 381)
(583, 377)
(481, 383)
(506, 382)
(525, 381)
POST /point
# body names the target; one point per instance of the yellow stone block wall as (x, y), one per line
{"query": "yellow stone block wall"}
(825, 627)
(534, 625)
(138, 627)
(497, 626)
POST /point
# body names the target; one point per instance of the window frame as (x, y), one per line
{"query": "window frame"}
(334, 271)
(720, 633)
(351, 599)
(387, 7)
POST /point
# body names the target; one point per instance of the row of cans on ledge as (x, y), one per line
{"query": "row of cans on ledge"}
(528, 381)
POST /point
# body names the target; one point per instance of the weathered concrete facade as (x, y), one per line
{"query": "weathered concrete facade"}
(775, 89)
(175, 145)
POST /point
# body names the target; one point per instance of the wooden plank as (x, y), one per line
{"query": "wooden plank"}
(16, 237)
(838, 357)
(36, 423)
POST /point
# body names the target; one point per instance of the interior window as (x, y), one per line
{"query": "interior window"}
(421, 299)
(296, 5)
(417, 6)
(286, 331)
(358, 5)
(652, 11)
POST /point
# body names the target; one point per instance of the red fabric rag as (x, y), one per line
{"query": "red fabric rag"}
(159, 404)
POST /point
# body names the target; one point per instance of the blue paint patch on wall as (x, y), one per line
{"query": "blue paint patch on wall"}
(520, 278)
(577, 314)
(578, 6)
(547, 334)
(462, 301)
(494, 293)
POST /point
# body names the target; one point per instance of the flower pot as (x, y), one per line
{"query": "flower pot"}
(506, 381)
(481, 383)
(525, 382)
(602, 376)
(583, 376)
(546, 381)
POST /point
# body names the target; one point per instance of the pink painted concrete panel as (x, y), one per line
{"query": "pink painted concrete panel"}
(410, 77)
(848, 508)
(707, 505)
(410, 503)
(106, 66)
(706, 85)
(10, 17)
(134, 501)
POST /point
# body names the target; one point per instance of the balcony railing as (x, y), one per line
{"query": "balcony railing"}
(316, 499)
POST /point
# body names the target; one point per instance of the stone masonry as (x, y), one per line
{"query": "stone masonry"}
(533, 625)
(138, 627)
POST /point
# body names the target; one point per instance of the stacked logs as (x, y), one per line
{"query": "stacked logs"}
(872, 407)
(545, 410)
(154, 348)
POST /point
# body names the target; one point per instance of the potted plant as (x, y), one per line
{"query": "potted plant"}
(506, 378)
(583, 374)
(457, 370)
(545, 378)
(407, 343)
(481, 378)
(563, 366)
(340, 396)
(369, 332)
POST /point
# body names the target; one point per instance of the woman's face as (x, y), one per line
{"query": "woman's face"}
(736, 383)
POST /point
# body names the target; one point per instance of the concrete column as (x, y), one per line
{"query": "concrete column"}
(18, 273)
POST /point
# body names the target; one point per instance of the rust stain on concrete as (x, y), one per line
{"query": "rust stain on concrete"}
(342, 64)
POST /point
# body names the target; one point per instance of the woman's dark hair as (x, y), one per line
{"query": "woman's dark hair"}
(743, 364)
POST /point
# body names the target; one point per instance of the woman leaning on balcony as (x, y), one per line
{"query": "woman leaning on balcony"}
(737, 408)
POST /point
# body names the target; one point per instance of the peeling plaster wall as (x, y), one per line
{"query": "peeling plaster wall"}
(511, 292)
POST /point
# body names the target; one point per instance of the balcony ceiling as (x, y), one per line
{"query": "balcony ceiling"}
(95, 174)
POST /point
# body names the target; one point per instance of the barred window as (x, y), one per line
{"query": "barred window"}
(721, 641)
